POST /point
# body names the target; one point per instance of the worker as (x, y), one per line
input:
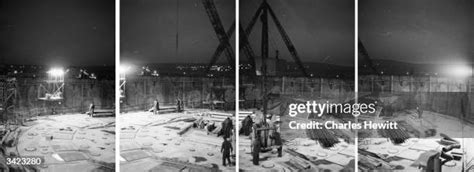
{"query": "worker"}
(203, 124)
(227, 127)
(155, 107)
(210, 127)
(226, 149)
(256, 146)
(91, 109)
(276, 137)
(420, 112)
(246, 126)
(157, 104)
(179, 105)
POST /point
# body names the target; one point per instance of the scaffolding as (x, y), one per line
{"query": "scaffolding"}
(8, 93)
(122, 81)
(52, 89)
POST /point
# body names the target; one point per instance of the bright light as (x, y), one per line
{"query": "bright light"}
(56, 72)
(123, 69)
(459, 71)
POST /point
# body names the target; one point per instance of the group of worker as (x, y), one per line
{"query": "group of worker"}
(225, 131)
(256, 130)
(156, 106)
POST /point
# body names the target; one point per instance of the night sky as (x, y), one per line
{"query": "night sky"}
(81, 32)
(321, 30)
(149, 28)
(421, 31)
(57, 32)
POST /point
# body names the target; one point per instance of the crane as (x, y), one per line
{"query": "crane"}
(365, 56)
(222, 34)
(263, 11)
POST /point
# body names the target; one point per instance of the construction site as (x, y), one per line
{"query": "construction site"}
(267, 88)
(435, 115)
(433, 124)
(176, 123)
(309, 149)
(180, 117)
(433, 109)
(57, 86)
(66, 121)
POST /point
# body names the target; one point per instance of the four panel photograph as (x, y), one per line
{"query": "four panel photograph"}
(236, 85)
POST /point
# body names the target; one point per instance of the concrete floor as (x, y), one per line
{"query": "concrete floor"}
(72, 134)
(407, 153)
(333, 159)
(147, 141)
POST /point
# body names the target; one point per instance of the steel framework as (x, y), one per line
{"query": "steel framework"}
(52, 89)
(8, 93)
(122, 81)
(222, 35)
(263, 12)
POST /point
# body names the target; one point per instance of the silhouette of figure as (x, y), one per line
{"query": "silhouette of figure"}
(246, 126)
(226, 149)
(277, 142)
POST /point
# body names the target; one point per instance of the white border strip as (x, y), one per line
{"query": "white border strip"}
(237, 76)
(117, 82)
(356, 78)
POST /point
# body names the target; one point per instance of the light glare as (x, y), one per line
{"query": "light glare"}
(56, 72)
(123, 69)
(459, 71)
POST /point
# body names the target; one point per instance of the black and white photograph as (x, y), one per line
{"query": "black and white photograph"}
(415, 63)
(294, 52)
(177, 85)
(236, 85)
(57, 89)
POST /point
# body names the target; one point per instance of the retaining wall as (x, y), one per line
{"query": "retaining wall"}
(141, 91)
(78, 95)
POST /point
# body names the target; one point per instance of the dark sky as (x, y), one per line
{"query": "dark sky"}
(58, 32)
(418, 31)
(321, 30)
(149, 28)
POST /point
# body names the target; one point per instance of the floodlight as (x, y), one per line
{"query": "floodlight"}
(53, 88)
(123, 69)
(56, 72)
(459, 71)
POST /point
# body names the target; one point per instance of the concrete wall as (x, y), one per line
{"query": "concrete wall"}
(443, 95)
(141, 91)
(78, 95)
(373, 83)
(297, 86)
(457, 104)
